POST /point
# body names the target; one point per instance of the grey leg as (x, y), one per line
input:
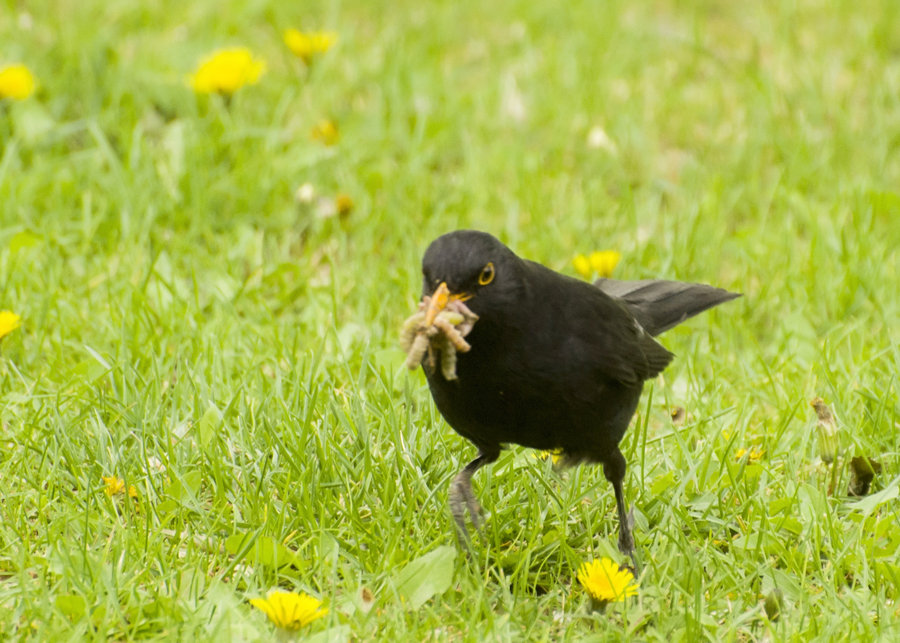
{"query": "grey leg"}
(614, 470)
(462, 498)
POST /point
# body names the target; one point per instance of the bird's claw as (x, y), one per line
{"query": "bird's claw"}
(626, 539)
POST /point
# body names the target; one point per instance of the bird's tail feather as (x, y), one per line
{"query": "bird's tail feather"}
(660, 305)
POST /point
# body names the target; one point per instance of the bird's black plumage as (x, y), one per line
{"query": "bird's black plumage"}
(555, 363)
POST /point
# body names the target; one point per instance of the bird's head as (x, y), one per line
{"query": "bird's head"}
(474, 267)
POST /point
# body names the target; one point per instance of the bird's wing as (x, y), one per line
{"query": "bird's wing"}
(592, 334)
(660, 305)
(616, 346)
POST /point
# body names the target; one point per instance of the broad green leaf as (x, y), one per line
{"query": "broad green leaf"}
(336, 634)
(208, 426)
(89, 370)
(780, 504)
(187, 485)
(870, 503)
(72, 605)
(24, 239)
(264, 551)
(662, 483)
(426, 576)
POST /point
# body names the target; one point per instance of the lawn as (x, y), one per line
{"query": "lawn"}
(205, 399)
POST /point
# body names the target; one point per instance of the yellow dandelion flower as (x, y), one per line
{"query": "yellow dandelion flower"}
(226, 71)
(582, 265)
(114, 485)
(325, 132)
(603, 262)
(553, 454)
(9, 321)
(753, 454)
(16, 82)
(600, 263)
(308, 45)
(132, 492)
(290, 610)
(605, 581)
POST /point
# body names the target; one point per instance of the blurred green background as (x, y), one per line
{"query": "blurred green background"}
(210, 292)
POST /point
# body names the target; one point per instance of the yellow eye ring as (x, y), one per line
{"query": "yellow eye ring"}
(487, 274)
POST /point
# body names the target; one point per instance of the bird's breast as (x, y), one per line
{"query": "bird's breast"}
(495, 401)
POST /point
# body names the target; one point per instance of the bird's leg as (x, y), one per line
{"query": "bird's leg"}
(462, 497)
(614, 470)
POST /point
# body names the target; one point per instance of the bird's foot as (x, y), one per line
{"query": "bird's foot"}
(462, 499)
(626, 538)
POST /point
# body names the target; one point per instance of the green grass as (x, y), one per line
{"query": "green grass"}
(192, 328)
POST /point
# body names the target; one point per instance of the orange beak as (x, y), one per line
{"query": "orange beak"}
(439, 300)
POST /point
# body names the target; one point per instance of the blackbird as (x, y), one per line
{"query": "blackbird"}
(555, 362)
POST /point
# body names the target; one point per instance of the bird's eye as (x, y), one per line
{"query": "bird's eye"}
(487, 274)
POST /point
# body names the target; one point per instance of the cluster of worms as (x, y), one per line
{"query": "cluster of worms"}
(445, 335)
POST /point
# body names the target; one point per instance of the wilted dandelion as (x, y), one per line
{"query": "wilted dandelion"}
(829, 442)
(344, 204)
(308, 45)
(774, 603)
(326, 132)
(16, 82)
(289, 610)
(606, 582)
(366, 599)
(327, 207)
(305, 193)
(226, 71)
(598, 139)
(600, 263)
(9, 321)
(862, 472)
